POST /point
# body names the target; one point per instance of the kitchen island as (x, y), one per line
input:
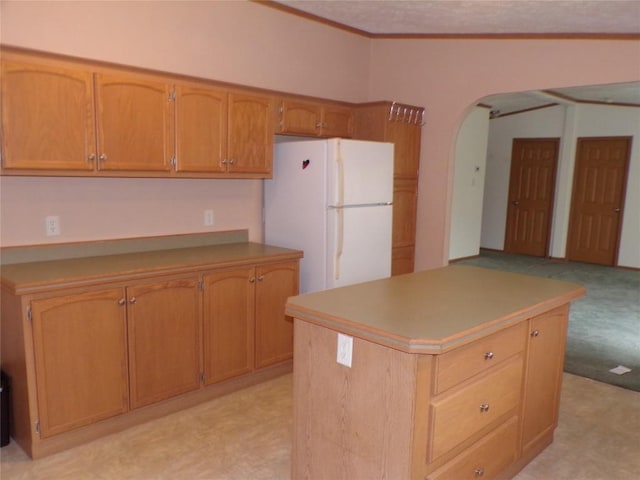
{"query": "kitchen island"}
(447, 373)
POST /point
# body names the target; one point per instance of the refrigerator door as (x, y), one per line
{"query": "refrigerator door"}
(295, 204)
(359, 241)
(359, 172)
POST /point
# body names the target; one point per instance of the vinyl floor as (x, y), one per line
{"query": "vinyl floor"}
(246, 435)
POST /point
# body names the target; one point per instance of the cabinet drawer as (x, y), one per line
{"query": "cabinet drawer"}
(468, 361)
(458, 415)
(486, 458)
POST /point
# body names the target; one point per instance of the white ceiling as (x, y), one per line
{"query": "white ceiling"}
(478, 16)
(469, 17)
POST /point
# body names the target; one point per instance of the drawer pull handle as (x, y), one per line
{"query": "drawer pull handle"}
(484, 407)
(488, 355)
(479, 472)
(535, 333)
(132, 300)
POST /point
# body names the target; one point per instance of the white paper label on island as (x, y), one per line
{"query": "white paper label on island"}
(345, 350)
(620, 370)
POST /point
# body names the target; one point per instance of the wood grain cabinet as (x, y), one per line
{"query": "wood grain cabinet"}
(163, 319)
(91, 349)
(80, 352)
(47, 117)
(244, 322)
(315, 119)
(401, 125)
(134, 123)
(68, 117)
(274, 331)
(481, 410)
(219, 132)
(228, 323)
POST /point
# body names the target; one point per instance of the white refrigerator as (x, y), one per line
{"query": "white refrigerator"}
(332, 199)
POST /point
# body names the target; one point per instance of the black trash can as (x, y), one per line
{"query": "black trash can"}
(5, 392)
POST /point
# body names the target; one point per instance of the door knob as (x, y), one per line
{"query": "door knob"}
(516, 203)
(617, 210)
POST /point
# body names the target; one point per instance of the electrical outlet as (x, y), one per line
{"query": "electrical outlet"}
(345, 350)
(52, 225)
(208, 218)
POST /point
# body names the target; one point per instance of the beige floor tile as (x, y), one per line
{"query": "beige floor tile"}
(246, 435)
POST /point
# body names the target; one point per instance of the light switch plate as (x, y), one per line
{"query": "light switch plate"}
(345, 350)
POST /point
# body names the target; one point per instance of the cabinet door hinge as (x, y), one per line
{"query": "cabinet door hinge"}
(29, 314)
(37, 427)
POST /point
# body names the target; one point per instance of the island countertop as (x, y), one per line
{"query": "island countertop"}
(434, 310)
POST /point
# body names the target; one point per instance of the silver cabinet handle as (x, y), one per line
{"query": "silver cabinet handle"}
(617, 210)
(261, 278)
(535, 333)
(91, 157)
(479, 472)
(102, 157)
(132, 300)
(122, 301)
(484, 407)
(252, 280)
(488, 356)
(232, 161)
(224, 161)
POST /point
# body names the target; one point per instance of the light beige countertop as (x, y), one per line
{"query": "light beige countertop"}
(33, 277)
(433, 310)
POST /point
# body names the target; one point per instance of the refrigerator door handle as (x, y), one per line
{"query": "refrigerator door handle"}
(339, 242)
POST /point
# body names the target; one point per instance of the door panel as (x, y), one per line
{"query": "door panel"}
(531, 189)
(359, 242)
(164, 339)
(597, 202)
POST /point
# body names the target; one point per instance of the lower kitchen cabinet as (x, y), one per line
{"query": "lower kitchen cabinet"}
(228, 323)
(91, 350)
(274, 331)
(164, 339)
(547, 337)
(80, 350)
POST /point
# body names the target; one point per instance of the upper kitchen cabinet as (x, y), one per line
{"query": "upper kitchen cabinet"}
(315, 119)
(223, 134)
(201, 125)
(47, 117)
(250, 135)
(134, 123)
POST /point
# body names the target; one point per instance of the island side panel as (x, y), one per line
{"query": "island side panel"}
(351, 422)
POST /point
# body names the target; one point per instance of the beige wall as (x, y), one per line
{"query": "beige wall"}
(239, 42)
(244, 42)
(447, 76)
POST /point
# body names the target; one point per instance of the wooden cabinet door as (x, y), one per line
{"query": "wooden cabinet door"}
(135, 124)
(337, 122)
(544, 374)
(405, 198)
(80, 349)
(274, 331)
(300, 118)
(201, 123)
(47, 118)
(250, 143)
(228, 327)
(406, 140)
(164, 339)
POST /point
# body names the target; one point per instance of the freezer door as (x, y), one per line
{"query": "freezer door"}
(359, 172)
(359, 240)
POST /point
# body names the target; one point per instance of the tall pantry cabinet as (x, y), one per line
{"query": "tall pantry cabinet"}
(401, 125)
